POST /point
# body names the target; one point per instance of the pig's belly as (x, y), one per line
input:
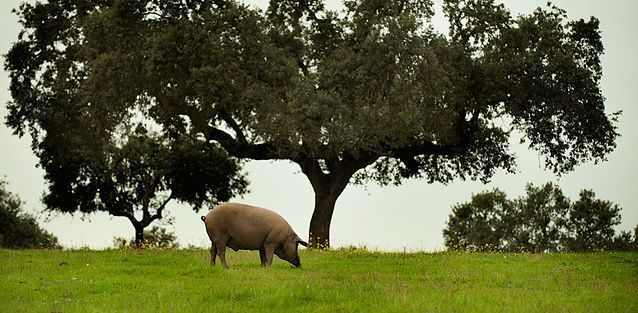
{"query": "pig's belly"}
(237, 244)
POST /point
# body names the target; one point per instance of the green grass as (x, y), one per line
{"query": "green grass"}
(337, 281)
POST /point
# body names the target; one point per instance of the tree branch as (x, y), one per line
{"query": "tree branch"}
(426, 148)
(238, 147)
(158, 213)
(128, 215)
(146, 200)
(226, 117)
(245, 150)
(407, 154)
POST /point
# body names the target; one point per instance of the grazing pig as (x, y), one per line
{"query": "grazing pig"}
(245, 227)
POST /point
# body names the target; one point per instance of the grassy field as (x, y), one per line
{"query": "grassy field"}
(336, 281)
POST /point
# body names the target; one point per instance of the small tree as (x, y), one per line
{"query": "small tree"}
(478, 225)
(538, 219)
(591, 224)
(135, 175)
(19, 230)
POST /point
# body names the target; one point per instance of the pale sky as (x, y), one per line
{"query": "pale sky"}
(410, 216)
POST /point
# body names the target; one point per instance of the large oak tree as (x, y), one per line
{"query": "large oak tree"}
(371, 92)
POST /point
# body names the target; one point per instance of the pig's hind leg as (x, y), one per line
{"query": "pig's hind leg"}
(221, 251)
(213, 253)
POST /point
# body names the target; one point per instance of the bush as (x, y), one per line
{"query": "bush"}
(155, 238)
(19, 230)
(542, 221)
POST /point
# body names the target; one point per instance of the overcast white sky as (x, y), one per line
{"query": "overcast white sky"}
(410, 216)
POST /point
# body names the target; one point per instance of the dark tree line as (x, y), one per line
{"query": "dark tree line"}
(543, 220)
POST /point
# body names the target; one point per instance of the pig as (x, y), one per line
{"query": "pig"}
(245, 227)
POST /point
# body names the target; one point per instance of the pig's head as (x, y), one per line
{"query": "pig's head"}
(289, 251)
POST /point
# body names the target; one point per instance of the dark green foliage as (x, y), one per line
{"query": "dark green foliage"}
(537, 222)
(624, 242)
(542, 221)
(141, 172)
(154, 238)
(81, 95)
(590, 224)
(371, 92)
(478, 225)
(19, 230)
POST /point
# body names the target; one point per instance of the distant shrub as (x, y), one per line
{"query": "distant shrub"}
(19, 230)
(154, 238)
(542, 221)
(353, 249)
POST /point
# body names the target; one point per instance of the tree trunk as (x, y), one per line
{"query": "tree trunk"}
(328, 184)
(320, 221)
(139, 235)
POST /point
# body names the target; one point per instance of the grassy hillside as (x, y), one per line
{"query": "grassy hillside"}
(341, 281)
